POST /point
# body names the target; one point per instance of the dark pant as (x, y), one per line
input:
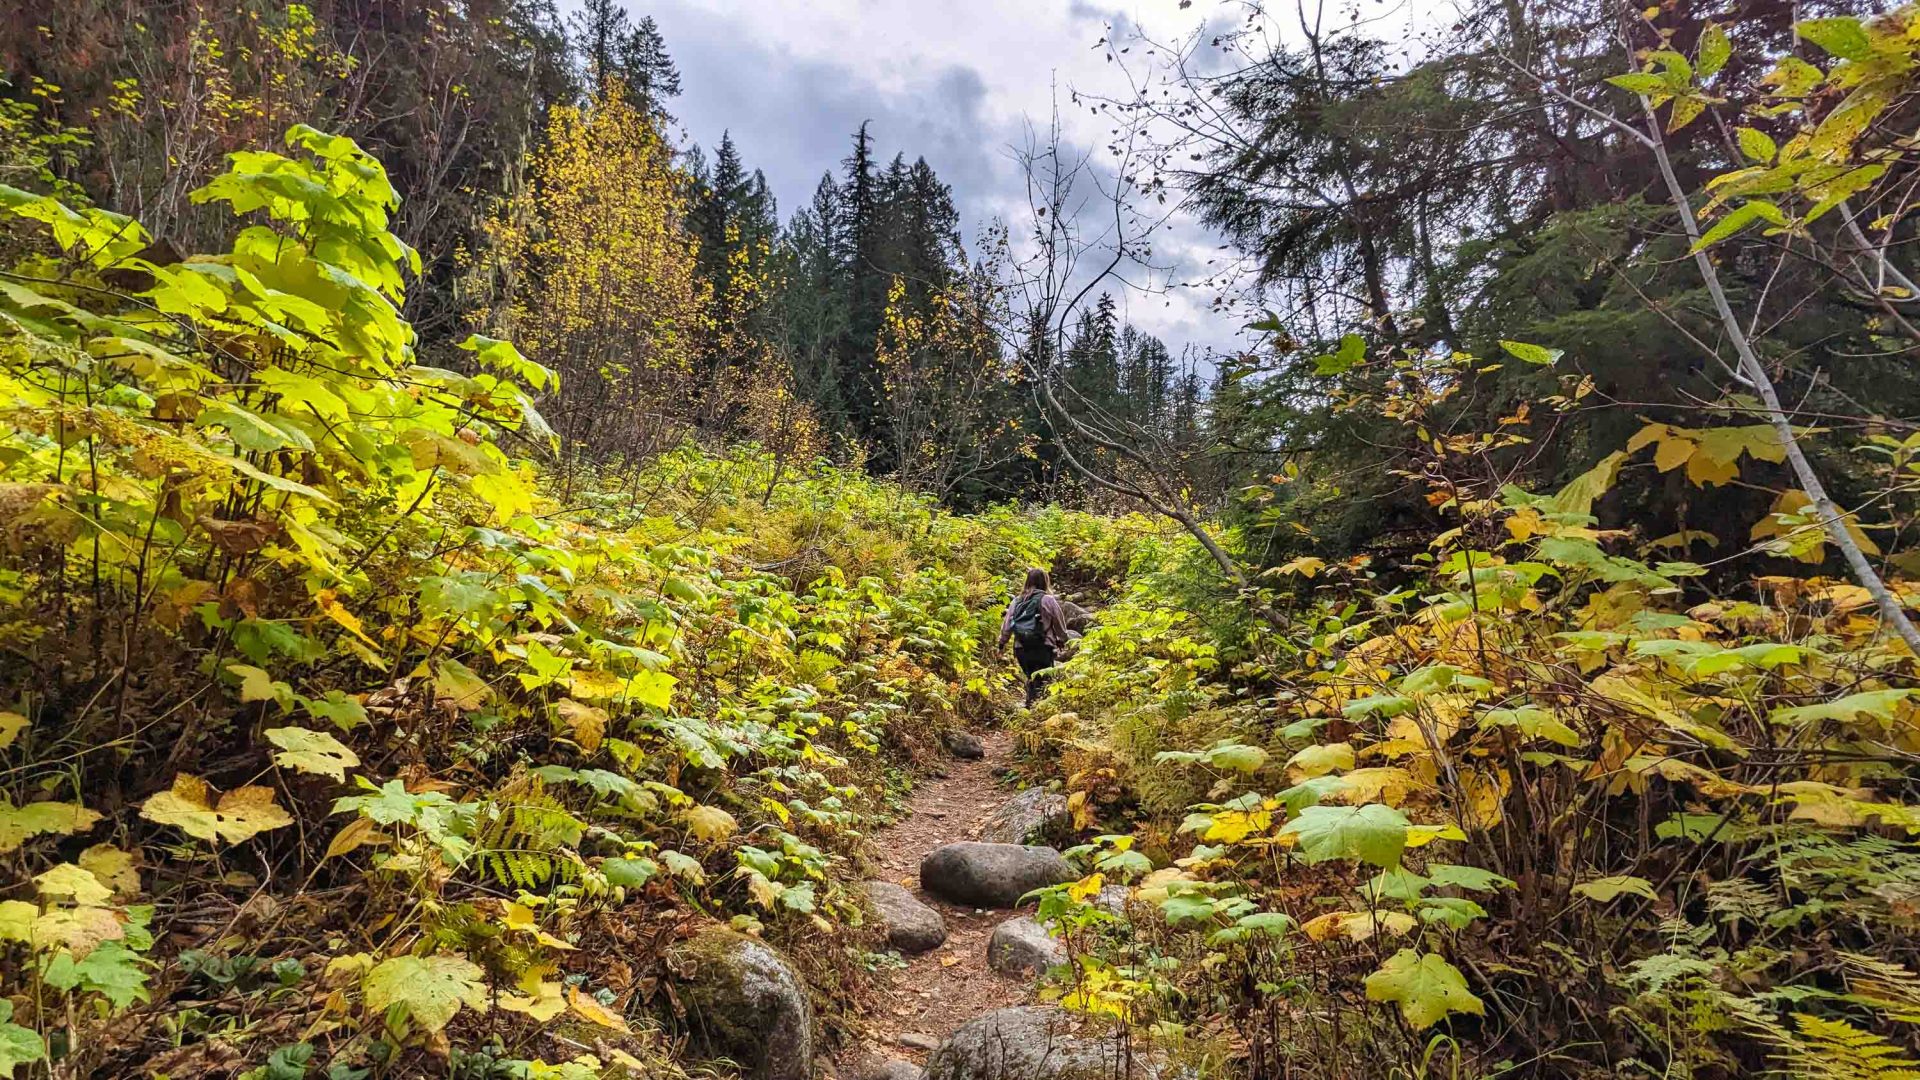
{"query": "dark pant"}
(1034, 661)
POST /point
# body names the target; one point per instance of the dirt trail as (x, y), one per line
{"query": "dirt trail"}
(942, 989)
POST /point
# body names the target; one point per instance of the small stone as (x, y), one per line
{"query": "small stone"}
(911, 926)
(1021, 947)
(913, 1040)
(991, 875)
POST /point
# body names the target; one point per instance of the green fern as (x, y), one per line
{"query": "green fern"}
(528, 836)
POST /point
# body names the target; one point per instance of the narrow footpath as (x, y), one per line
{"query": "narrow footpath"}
(944, 988)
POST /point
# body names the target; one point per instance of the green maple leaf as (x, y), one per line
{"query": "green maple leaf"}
(455, 680)
(1533, 722)
(1879, 704)
(1373, 833)
(1473, 878)
(1532, 354)
(345, 713)
(653, 688)
(18, 1045)
(1309, 793)
(250, 430)
(1236, 757)
(1426, 986)
(111, 970)
(1187, 907)
(631, 873)
(1609, 888)
(684, 866)
(309, 751)
(431, 987)
(18, 824)
(1398, 883)
(257, 685)
(1451, 911)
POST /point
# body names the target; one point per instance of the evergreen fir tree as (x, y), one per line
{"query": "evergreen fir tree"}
(611, 47)
(649, 67)
(860, 234)
(813, 302)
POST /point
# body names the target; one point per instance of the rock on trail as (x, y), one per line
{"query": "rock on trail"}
(1037, 1042)
(745, 1003)
(1022, 948)
(991, 875)
(1024, 818)
(965, 745)
(888, 1070)
(911, 926)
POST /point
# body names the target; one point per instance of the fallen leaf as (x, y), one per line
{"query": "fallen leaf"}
(240, 815)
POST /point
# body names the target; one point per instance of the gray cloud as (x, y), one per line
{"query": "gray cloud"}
(792, 84)
(794, 117)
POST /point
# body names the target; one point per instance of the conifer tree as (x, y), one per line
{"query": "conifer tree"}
(649, 68)
(614, 49)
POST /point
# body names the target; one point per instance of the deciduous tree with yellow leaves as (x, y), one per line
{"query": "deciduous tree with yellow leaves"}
(592, 270)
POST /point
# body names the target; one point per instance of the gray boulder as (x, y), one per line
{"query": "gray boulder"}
(1024, 818)
(744, 1002)
(1021, 947)
(991, 875)
(911, 926)
(1078, 618)
(1037, 1042)
(966, 745)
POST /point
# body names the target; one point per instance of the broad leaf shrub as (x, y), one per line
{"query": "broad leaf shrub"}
(329, 740)
(1544, 799)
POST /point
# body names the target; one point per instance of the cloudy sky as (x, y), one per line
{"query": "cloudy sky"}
(956, 81)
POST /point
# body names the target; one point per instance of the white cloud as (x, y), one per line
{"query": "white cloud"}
(956, 82)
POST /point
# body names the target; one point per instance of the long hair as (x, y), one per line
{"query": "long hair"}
(1037, 580)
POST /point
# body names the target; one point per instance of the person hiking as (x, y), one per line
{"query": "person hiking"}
(1038, 627)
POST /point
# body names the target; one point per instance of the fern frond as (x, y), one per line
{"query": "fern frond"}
(527, 834)
(1826, 1048)
(1890, 989)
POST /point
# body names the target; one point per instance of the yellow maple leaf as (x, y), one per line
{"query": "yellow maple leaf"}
(1357, 926)
(543, 1000)
(240, 814)
(520, 917)
(73, 883)
(77, 930)
(1087, 887)
(11, 725)
(308, 751)
(587, 722)
(118, 870)
(710, 823)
